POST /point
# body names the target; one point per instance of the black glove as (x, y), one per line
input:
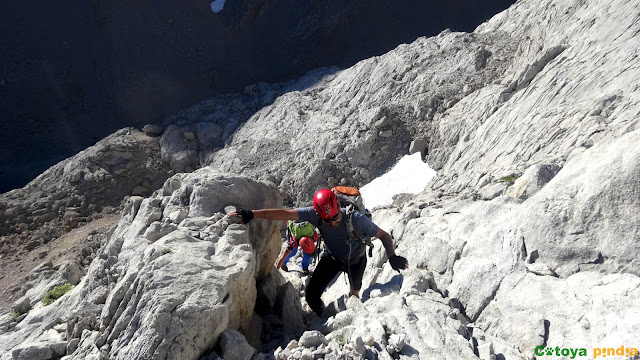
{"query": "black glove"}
(398, 262)
(246, 215)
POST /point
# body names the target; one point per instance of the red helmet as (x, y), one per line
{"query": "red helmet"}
(326, 204)
(307, 244)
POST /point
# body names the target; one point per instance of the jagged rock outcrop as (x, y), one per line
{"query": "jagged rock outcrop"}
(526, 239)
(176, 266)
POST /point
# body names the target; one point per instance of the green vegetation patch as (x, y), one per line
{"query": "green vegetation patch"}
(387, 330)
(507, 179)
(56, 293)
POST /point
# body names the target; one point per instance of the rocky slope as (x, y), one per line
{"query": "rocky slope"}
(525, 242)
(73, 73)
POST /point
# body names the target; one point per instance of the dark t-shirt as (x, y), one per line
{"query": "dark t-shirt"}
(337, 240)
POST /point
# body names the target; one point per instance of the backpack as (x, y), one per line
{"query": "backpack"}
(298, 229)
(351, 199)
(301, 228)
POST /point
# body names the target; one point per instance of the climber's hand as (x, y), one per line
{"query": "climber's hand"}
(246, 215)
(398, 263)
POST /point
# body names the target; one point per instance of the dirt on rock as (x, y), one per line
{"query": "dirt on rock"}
(18, 259)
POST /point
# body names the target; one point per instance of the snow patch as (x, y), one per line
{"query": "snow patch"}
(217, 6)
(410, 175)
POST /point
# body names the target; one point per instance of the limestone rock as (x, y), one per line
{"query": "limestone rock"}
(176, 150)
(533, 180)
(287, 307)
(383, 122)
(268, 292)
(486, 352)
(386, 133)
(418, 145)
(158, 229)
(312, 339)
(71, 272)
(45, 278)
(156, 281)
(396, 343)
(104, 175)
(21, 305)
(152, 130)
(33, 351)
(189, 135)
(573, 320)
(234, 346)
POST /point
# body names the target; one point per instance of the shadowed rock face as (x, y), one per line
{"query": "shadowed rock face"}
(72, 73)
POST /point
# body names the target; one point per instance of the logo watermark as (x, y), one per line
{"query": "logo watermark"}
(558, 351)
(598, 352)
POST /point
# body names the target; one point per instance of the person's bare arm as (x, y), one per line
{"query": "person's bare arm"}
(387, 241)
(276, 214)
(270, 214)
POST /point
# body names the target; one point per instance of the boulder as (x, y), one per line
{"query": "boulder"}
(152, 130)
(21, 305)
(229, 266)
(312, 339)
(234, 346)
(32, 351)
(176, 150)
(418, 145)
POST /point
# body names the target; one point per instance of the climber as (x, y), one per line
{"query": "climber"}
(301, 234)
(344, 253)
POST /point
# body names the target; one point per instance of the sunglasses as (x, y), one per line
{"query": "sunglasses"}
(332, 220)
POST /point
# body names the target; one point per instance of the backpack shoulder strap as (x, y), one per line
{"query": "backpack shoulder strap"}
(350, 228)
(354, 234)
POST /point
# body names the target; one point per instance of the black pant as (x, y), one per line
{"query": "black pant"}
(327, 269)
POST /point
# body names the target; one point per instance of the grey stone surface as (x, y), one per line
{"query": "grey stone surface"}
(527, 236)
(152, 130)
(533, 179)
(101, 177)
(288, 308)
(32, 351)
(22, 305)
(234, 346)
(312, 339)
(44, 278)
(156, 280)
(418, 145)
